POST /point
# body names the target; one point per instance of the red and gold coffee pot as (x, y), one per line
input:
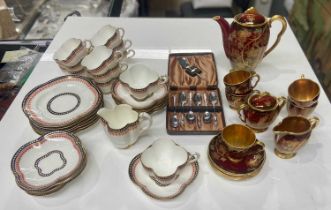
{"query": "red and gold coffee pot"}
(245, 40)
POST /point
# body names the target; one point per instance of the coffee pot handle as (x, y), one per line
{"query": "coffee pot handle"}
(284, 26)
(240, 112)
(143, 116)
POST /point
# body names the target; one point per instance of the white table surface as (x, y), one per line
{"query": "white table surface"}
(303, 182)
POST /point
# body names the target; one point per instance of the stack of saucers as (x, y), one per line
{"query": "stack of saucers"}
(164, 169)
(67, 103)
(46, 164)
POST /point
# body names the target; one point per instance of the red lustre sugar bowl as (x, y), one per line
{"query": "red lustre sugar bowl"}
(261, 110)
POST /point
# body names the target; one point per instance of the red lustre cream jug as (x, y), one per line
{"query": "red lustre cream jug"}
(245, 40)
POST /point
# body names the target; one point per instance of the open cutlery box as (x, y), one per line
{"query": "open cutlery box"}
(194, 101)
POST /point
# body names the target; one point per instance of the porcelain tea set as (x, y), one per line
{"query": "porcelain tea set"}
(164, 169)
(99, 58)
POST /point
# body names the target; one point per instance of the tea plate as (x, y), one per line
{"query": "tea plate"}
(140, 177)
(62, 101)
(120, 94)
(45, 164)
(235, 170)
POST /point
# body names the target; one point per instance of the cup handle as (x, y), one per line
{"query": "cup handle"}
(193, 157)
(314, 122)
(132, 53)
(121, 31)
(281, 101)
(143, 116)
(257, 79)
(127, 44)
(88, 45)
(240, 114)
(163, 79)
(260, 143)
(123, 67)
(284, 26)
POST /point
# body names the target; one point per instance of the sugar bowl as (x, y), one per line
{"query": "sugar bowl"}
(260, 110)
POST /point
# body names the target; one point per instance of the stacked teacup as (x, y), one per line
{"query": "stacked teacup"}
(141, 82)
(104, 63)
(101, 57)
(164, 161)
(70, 55)
(302, 97)
(238, 86)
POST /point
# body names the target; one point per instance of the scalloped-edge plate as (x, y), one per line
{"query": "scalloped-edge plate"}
(45, 164)
(140, 177)
(62, 101)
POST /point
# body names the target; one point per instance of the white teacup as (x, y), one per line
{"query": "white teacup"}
(124, 125)
(72, 52)
(141, 82)
(165, 159)
(110, 74)
(101, 59)
(109, 36)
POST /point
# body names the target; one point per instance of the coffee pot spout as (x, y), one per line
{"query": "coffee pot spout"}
(225, 27)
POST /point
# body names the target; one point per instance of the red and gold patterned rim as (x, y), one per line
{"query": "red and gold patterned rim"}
(33, 116)
(20, 179)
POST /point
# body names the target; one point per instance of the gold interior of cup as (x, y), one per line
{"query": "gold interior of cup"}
(303, 90)
(238, 136)
(295, 124)
(236, 77)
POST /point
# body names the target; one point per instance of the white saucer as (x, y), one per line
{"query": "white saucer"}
(140, 177)
(122, 95)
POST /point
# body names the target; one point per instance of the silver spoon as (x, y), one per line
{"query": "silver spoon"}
(182, 98)
(207, 117)
(174, 121)
(197, 98)
(213, 98)
(190, 117)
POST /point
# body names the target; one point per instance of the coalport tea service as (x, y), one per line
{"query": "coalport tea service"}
(123, 125)
(141, 82)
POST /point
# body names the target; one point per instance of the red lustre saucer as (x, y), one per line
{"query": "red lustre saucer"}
(247, 167)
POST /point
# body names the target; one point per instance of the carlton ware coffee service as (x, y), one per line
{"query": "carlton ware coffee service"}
(236, 153)
(68, 104)
(164, 169)
(245, 40)
(239, 85)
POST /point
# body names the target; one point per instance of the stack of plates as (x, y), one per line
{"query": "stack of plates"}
(67, 103)
(46, 164)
